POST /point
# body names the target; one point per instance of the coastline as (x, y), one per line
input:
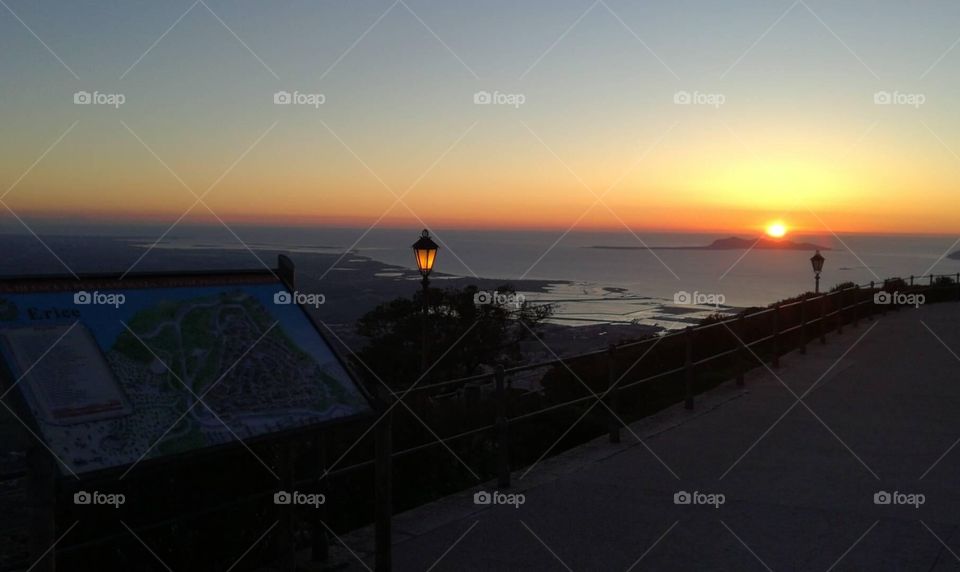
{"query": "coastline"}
(587, 316)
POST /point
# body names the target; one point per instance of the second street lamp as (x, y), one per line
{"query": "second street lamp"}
(817, 262)
(425, 250)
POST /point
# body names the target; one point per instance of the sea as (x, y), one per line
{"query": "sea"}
(594, 277)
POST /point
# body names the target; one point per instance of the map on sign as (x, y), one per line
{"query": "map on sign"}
(161, 371)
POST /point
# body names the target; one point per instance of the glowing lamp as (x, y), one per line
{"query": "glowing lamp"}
(425, 249)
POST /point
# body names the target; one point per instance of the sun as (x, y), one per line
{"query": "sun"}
(776, 229)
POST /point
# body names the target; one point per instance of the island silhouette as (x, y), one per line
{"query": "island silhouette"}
(731, 243)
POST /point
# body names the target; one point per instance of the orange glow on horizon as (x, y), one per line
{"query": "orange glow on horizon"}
(729, 222)
(732, 178)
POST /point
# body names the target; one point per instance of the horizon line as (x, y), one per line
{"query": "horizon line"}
(446, 227)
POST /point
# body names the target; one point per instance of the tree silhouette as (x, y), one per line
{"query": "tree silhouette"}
(466, 326)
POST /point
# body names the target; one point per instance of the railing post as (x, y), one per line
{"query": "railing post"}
(870, 306)
(688, 368)
(742, 349)
(911, 279)
(931, 279)
(503, 434)
(613, 424)
(383, 489)
(855, 308)
(181, 545)
(883, 307)
(803, 324)
(840, 311)
(319, 545)
(42, 501)
(286, 542)
(823, 318)
(776, 335)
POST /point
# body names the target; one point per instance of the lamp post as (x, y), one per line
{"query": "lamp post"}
(425, 250)
(817, 262)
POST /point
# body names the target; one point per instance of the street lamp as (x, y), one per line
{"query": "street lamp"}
(817, 262)
(425, 250)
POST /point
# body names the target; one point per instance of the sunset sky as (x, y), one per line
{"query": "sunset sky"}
(784, 122)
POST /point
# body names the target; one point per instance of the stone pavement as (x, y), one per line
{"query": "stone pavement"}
(798, 478)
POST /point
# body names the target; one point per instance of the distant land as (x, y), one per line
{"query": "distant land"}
(734, 243)
(955, 255)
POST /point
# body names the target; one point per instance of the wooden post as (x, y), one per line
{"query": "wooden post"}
(286, 541)
(287, 271)
(931, 279)
(776, 335)
(870, 305)
(42, 498)
(183, 544)
(911, 279)
(803, 324)
(856, 306)
(503, 435)
(688, 368)
(613, 424)
(883, 307)
(742, 349)
(383, 489)
(823, 318)
(840, 311)
(320, 547)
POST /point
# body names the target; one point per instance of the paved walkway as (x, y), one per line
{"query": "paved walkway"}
(798, 478)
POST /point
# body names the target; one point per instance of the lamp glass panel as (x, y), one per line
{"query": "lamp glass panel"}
(425, 258)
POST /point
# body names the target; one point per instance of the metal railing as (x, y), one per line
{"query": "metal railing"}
(749, 336)
(816, 315)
